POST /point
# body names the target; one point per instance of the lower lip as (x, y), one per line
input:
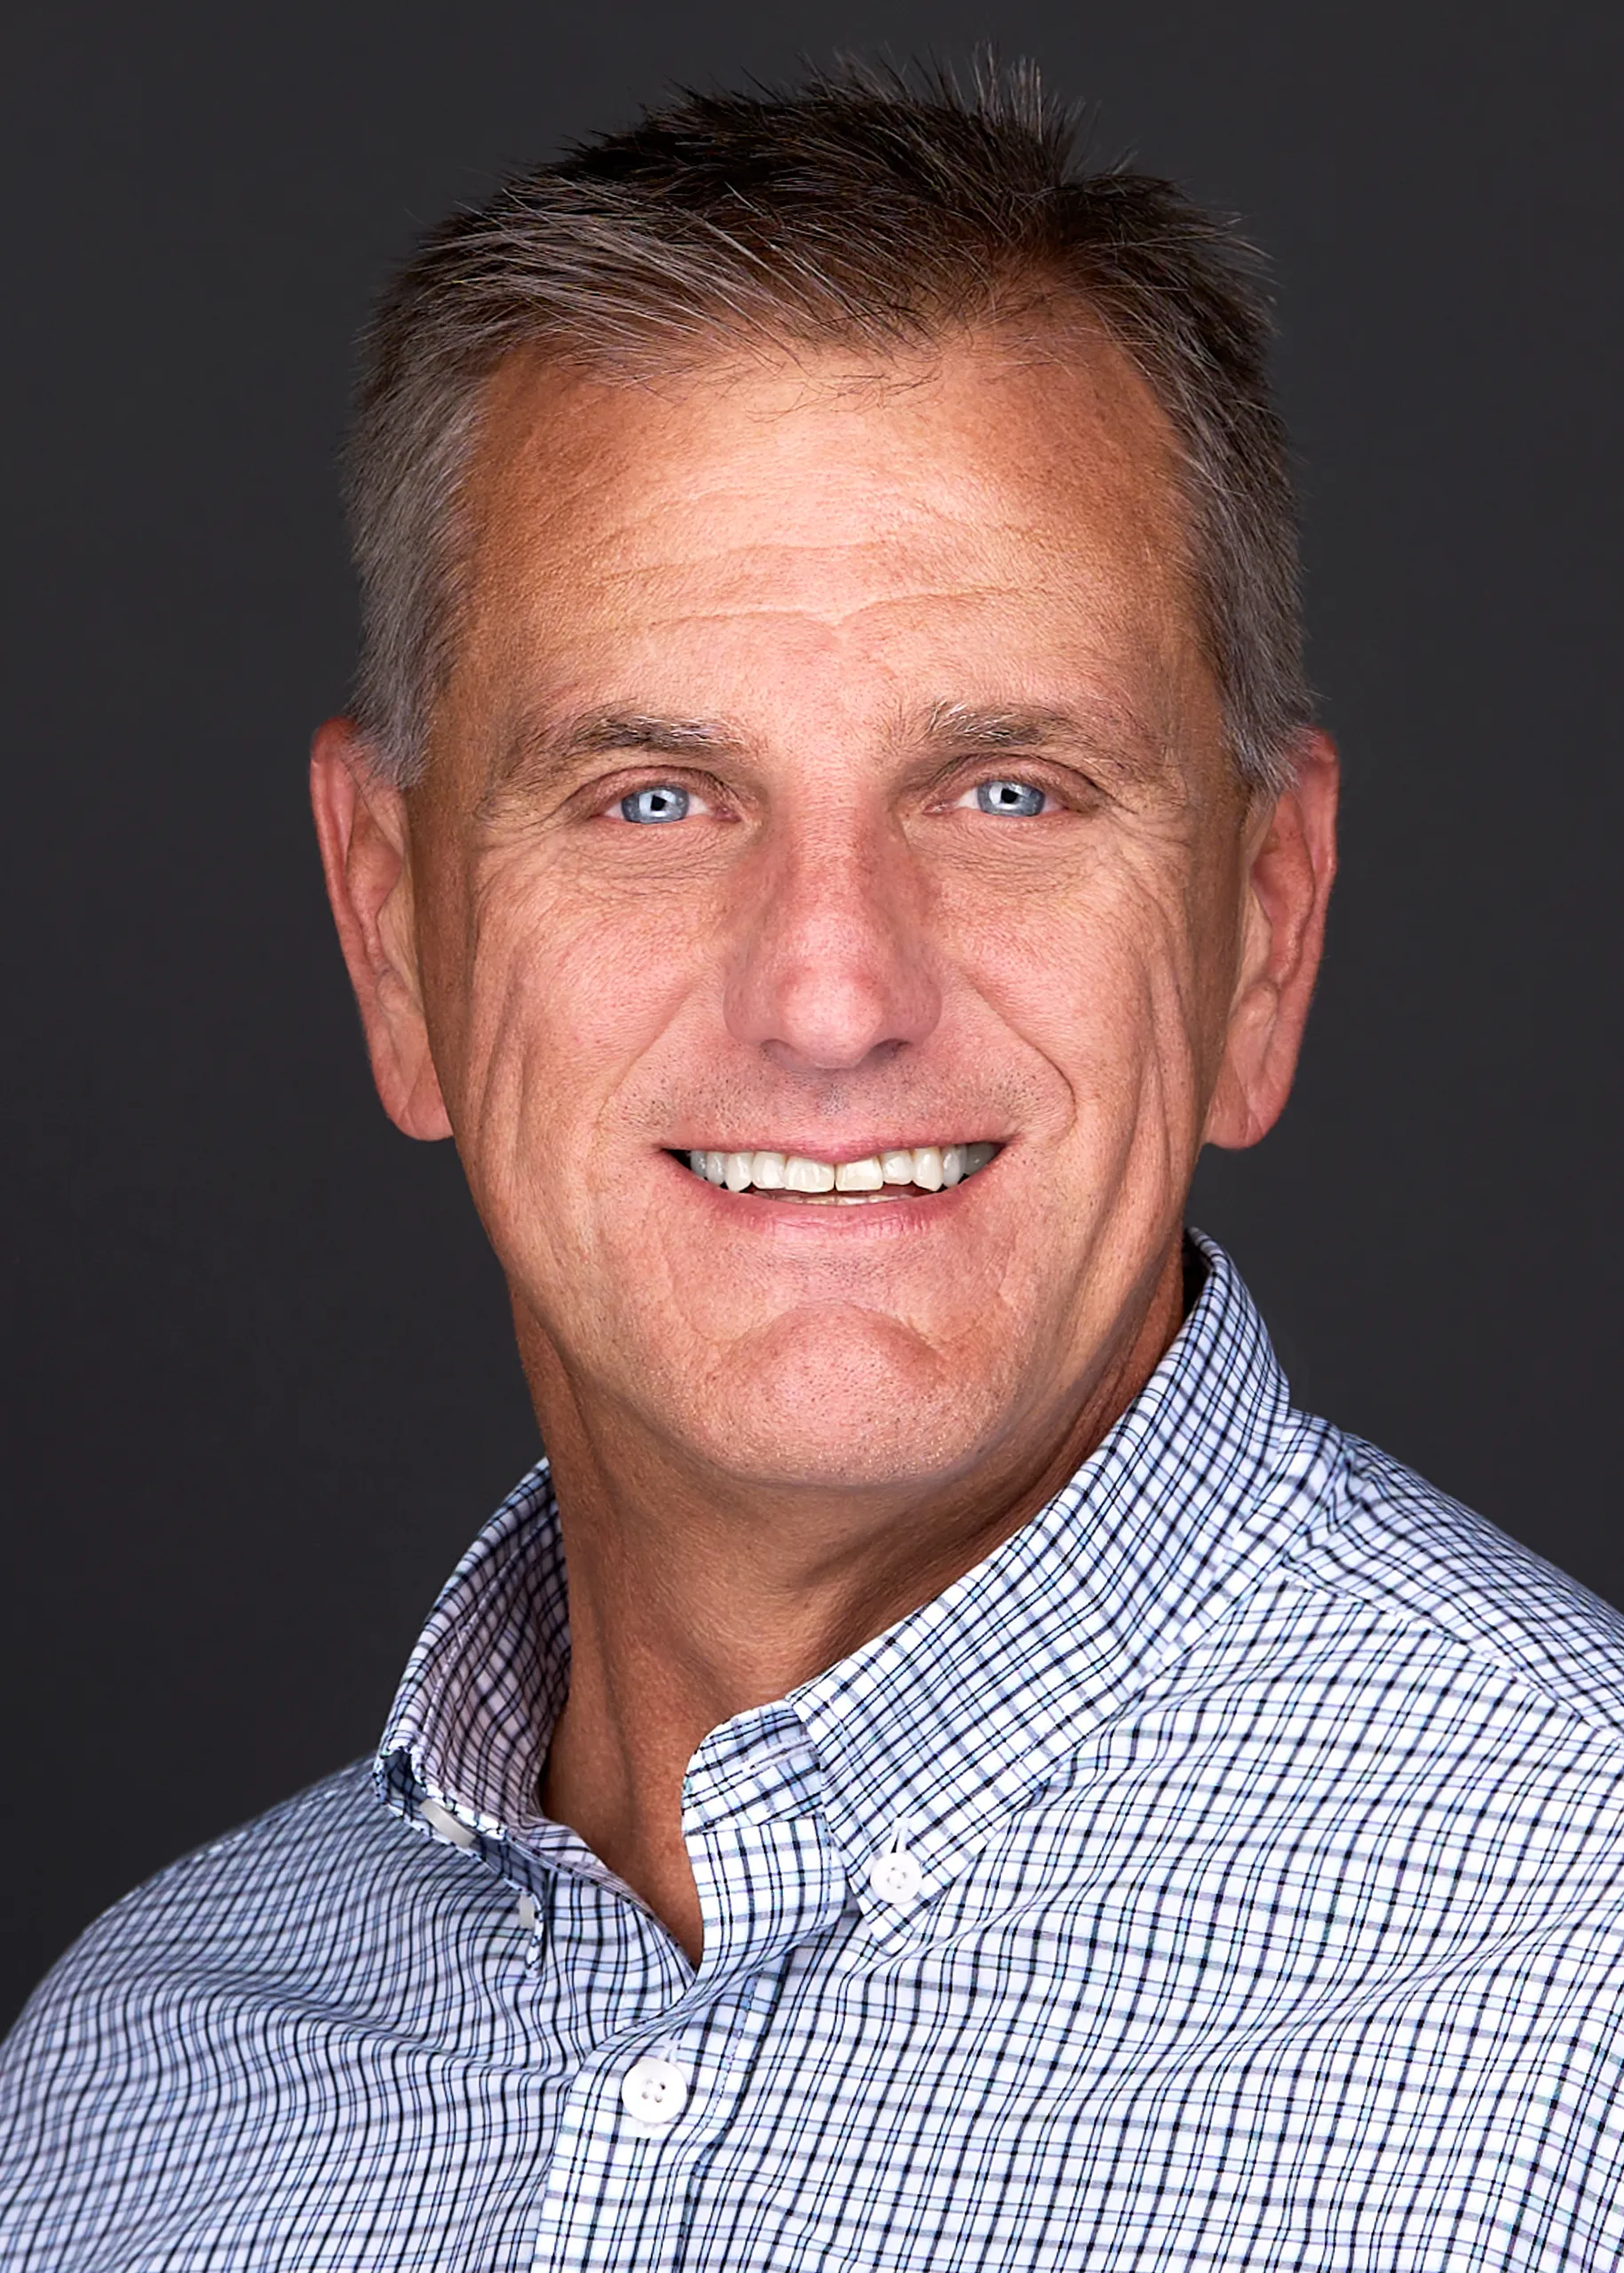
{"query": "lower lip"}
(874, 1213)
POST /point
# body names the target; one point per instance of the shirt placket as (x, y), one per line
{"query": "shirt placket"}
(645, 2109)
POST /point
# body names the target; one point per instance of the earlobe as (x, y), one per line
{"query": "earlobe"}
(1291, 865)
(361, 826)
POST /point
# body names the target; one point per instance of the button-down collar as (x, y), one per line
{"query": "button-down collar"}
(1229, 1863)
(923, 1739)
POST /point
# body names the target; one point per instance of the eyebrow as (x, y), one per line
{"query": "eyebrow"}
(600, 732)
(965, 726)
(1111, 738)
(551, 747)
(544, 748)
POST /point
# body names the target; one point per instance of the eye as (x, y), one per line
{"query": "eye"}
(1020, 798)
(663, 801)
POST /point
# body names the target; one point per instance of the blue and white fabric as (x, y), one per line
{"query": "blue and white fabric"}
(1228, 1872)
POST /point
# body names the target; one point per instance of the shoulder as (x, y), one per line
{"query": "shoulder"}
(1452, 1701)
(1423, 1564)
(148, 2057)
(312, 1897)
(278, 1888)
(1427, 1589)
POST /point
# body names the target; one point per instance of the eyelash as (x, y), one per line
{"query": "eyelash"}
(973, 795)
(700, 800)
(701, 797)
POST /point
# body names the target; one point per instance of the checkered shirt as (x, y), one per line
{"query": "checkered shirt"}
(1226, 1872)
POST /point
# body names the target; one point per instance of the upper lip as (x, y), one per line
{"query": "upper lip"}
(820, 1148)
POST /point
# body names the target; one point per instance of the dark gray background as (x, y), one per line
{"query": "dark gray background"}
(259, 1364)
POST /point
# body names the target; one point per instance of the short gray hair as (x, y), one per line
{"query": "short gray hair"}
(871, 208)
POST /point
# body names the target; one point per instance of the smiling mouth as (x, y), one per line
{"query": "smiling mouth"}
(900, 1174)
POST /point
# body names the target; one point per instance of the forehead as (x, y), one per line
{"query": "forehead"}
(984, 512)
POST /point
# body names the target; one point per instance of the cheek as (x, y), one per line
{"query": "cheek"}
(1100, 976)
(561, 1000)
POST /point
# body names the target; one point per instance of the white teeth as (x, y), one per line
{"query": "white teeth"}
(807, 1175)
(927, 1167)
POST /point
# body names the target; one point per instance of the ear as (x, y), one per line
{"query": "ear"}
(1291, 859)
(366, 857)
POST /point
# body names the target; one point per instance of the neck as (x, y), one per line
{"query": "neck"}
(692, 1601)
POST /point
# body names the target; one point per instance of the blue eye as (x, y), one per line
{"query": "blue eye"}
(1009, 798)
(665, 802)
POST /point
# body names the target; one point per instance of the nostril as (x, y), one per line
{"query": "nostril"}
(808, 1059)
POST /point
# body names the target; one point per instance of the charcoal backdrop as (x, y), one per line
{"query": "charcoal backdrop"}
(258, 1360)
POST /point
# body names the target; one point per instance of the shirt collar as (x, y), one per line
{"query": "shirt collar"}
(931, 1732)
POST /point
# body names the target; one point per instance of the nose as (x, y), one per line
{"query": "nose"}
(831, 967)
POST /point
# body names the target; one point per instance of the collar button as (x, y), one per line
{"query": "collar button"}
(654, 2091)
(894, 1876)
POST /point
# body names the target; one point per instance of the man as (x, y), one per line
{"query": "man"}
(942, 1766)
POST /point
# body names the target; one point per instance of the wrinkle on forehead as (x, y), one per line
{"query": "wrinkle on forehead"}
(1082, 428)
(607, 518)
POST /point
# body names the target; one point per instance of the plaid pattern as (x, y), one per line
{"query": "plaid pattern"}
(1255, 1820)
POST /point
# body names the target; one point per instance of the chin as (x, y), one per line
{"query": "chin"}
(854, 1400)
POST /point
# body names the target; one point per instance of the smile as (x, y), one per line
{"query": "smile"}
(898, 1175)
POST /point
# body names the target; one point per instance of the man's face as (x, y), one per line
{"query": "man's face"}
(829, 770)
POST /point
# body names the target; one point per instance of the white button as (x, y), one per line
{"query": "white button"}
(894, 1876)
(654, 2091)
(442, 1820)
